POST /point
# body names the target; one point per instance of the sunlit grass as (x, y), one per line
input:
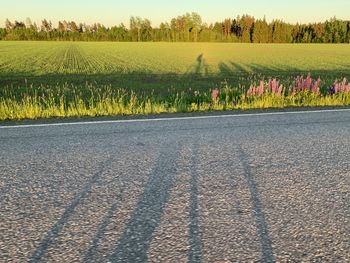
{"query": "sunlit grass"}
(109, 102)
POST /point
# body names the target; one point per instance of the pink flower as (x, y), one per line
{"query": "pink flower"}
(261, 88)
(269, 85)
(279, 90)
(347, 89)
(336, 87)
(251, 91)
(316, 86)
(308, 82)
(214, 94)
(343, 85)
(274, 86)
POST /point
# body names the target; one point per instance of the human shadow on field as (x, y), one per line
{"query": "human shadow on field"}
(200, 68)
(135, 241)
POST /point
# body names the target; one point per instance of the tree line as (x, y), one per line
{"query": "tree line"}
(185, 28)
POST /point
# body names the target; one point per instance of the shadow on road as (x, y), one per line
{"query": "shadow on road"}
(262, 228)
(195, 252)
(137, 236)
(54, 232)
(92, 251)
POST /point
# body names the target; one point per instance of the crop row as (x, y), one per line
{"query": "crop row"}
(178, 58)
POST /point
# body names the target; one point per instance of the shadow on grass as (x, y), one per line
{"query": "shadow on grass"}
(233, 68)
(198, 77)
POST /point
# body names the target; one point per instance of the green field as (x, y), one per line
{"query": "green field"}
(85, 73)
(165, 65)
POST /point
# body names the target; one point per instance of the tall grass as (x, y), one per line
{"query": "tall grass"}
(71, 101)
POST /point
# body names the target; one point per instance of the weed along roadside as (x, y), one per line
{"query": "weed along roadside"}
(69, 102)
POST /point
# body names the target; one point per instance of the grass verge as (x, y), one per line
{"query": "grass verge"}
(65, 101)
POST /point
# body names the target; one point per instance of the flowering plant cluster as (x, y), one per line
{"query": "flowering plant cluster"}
(340, 87)
(307, 84)
(300, 84)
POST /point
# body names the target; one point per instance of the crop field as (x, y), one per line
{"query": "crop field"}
(85, 73)
(157, 65)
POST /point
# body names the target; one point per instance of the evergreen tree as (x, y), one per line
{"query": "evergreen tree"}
(246, 25)
(261, 31)
(187, 27)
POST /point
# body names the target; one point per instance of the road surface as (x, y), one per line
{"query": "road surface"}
(246, 188)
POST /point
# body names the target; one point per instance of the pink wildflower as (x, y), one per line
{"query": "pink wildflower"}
(274, 86)
(214, 94)
(279, 91)
(269, 85)
(307, 82)
(251, 91)
(336, 87)
(316, 86)
(261, 88)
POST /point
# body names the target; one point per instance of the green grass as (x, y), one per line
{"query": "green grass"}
(59, 79)
(32, 107)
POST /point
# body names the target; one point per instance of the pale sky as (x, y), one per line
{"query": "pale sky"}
(113, 12)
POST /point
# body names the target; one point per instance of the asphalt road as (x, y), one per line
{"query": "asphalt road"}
(247, 188)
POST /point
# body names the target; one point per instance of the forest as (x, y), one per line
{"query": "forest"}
(185, 28)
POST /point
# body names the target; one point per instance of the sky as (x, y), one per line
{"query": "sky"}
(114, 12)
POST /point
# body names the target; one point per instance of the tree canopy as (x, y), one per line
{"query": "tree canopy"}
(185, 28)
